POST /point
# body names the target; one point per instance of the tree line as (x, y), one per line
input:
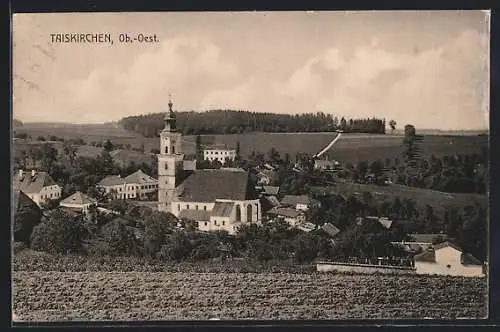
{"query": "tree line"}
(237, 122)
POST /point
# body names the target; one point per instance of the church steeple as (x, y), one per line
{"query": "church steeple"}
(170, 116)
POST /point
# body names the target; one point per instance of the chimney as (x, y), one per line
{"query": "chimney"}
(33, 173)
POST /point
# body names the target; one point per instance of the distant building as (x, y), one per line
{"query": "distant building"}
(307, 227)
(448, 259)
(137, 185)
(371, 220)
(78, 201)
(140, 185)
(298, 202)
(38, 186)
(330, 229)
(269, 190)
(293, 217)
(220, 153)
(325, 165)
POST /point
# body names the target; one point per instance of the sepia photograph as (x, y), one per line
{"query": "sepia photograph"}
(198, 166)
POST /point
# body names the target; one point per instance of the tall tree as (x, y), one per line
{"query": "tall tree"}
(392, 124)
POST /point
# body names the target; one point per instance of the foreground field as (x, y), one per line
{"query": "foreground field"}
(62, 296)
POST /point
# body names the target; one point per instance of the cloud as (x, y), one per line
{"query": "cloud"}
(446, 83)
(175, 66)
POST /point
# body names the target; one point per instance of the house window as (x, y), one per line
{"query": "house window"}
(223, 223)
(196, 207)
(215, 222)
(187, 206)
(204, 208)
(205, 223)
(50, 195)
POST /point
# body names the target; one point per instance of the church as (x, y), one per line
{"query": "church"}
(216, 199)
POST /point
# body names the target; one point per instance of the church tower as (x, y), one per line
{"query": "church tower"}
(170, 161)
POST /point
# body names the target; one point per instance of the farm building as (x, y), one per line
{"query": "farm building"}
(222, 153)
(291, 216)
(216, 199)
(137, 185)
(448, 259)
(38, 186)
(78, 201)
(24, 209)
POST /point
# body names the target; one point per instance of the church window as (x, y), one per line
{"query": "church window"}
(166, 149)
(178, 207)
(249, 213)
(238, 213)
(173, 149)
(166, 165)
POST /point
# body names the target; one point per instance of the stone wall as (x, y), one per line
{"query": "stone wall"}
(362, 268)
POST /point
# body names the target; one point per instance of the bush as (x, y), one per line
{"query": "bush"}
(60, 234)
(119, 239)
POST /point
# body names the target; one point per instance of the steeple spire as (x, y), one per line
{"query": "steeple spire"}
(170, 116)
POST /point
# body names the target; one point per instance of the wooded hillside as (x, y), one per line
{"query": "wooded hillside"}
(237, 122)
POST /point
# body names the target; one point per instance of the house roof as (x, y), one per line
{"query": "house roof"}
(210, 185)
(270, 190)
(323, 162)
(293, 200)
(426, 238)
(426, 256)
(139, 177)
(285, 212)
(447, 244)
(189, 165)
(307, 227)
(273, 200)
(78, 198)
(468, 259)
(385, 222)
(112, 180)
(196, 215)
(33, 185)
(330, 229)
(222, 209)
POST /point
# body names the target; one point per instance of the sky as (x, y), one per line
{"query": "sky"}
(429, 69)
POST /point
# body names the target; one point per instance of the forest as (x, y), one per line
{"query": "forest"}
(238, 122)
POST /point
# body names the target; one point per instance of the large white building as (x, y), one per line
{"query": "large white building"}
(215, 199)
(39, 186)
(137, 185)
(220, 153)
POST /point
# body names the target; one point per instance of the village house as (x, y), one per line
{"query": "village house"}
(137, 185)
(38, 186)
(292, 216)
(325, 165)
(447, 258)
(220, 153)
(215, 199)
(298, 202)
(330, 229)
(78, 201)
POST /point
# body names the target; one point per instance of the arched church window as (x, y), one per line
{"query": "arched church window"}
(173, 149)
(166, 165)
(166, 149)
(238, 213)
(249, 212)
